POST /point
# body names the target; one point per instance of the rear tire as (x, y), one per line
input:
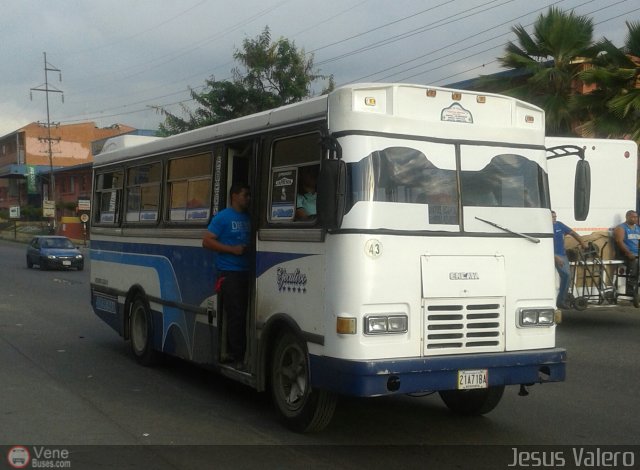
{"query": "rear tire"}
(472, 402)
(302, 408)
(141, 333)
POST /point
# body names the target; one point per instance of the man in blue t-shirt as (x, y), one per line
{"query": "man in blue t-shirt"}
(560, 257)
(229, 235)
(626, 235)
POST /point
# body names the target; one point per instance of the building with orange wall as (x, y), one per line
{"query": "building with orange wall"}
(26, 167)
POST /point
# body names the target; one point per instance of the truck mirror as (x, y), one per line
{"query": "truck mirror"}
(582, 190)
(331, 193)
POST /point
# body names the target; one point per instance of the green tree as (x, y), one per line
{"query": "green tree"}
(270, 74)
(612, 109)
(545, 65)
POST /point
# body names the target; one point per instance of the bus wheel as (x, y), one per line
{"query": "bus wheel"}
(302, 408)
(472, 402)
(141, 333)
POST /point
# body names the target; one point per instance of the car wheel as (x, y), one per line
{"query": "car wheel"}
(141, 333)
(302, 408)
(80, 266)
(29, 263)
(43, 264)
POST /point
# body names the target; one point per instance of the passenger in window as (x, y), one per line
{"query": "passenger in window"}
(306, 199)
(229, 235)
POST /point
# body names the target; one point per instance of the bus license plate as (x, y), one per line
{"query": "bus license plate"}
(469, 379)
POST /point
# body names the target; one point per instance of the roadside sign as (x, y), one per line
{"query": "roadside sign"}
(84, 218)
(84, 204)
(48, 208)
(14, 212)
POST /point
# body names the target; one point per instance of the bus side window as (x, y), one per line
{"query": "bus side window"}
(295, 166)
(189, 188)
(108, 197)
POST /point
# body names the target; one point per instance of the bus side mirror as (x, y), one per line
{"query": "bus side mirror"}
(582, 190)
(332, 182)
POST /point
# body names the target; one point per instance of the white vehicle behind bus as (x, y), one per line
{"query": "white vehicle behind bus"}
(614, 181)
(429, 267)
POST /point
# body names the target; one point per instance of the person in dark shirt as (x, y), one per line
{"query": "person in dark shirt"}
(560, 257)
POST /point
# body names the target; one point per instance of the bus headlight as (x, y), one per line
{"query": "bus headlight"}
(383, 324)
(536, 317)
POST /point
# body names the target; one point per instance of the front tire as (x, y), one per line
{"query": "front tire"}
(302, 408)
(472, 402)
(141, 333)
(29, 263)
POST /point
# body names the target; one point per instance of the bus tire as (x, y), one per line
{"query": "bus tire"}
(141, 333)
(301, 408)
(472, 402)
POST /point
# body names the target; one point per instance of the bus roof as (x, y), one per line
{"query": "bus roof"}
(309, 110)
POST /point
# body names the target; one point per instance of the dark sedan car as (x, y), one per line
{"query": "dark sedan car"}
(54, 252)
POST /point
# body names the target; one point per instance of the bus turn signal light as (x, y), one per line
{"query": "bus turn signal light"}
(346, 326)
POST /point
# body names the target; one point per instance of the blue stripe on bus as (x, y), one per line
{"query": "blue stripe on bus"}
(169, 289)
(193, 266)
(399, 376)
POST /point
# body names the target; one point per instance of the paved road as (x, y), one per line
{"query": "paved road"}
(67, 379)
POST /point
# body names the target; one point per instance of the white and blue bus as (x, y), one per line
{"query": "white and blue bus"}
(428, 267)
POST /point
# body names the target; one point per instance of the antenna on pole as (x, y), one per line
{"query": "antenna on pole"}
(47, 88)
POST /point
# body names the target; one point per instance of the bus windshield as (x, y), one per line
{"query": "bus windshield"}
(407, 175)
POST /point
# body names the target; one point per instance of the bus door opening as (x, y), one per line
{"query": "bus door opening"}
(239, 157)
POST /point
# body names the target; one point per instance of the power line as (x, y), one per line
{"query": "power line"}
(450, 45)
(504, 44)
(50, 89)
(469, 37)
(422, 29)
(100, 114)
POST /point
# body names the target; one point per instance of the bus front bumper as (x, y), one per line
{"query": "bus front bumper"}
(368, 378)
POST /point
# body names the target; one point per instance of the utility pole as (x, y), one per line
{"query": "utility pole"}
(49, 89)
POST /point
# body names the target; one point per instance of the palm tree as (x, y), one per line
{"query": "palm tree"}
(612, 109)
(545, 66)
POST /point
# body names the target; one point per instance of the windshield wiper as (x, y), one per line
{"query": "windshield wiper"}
(531, 239)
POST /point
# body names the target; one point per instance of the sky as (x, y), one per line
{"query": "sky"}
(119, 60)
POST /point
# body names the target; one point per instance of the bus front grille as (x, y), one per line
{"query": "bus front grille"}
(463, 326)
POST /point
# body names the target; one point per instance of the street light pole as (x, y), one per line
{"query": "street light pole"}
(50, 89)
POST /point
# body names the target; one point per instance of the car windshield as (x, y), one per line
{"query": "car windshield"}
(57, 243)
